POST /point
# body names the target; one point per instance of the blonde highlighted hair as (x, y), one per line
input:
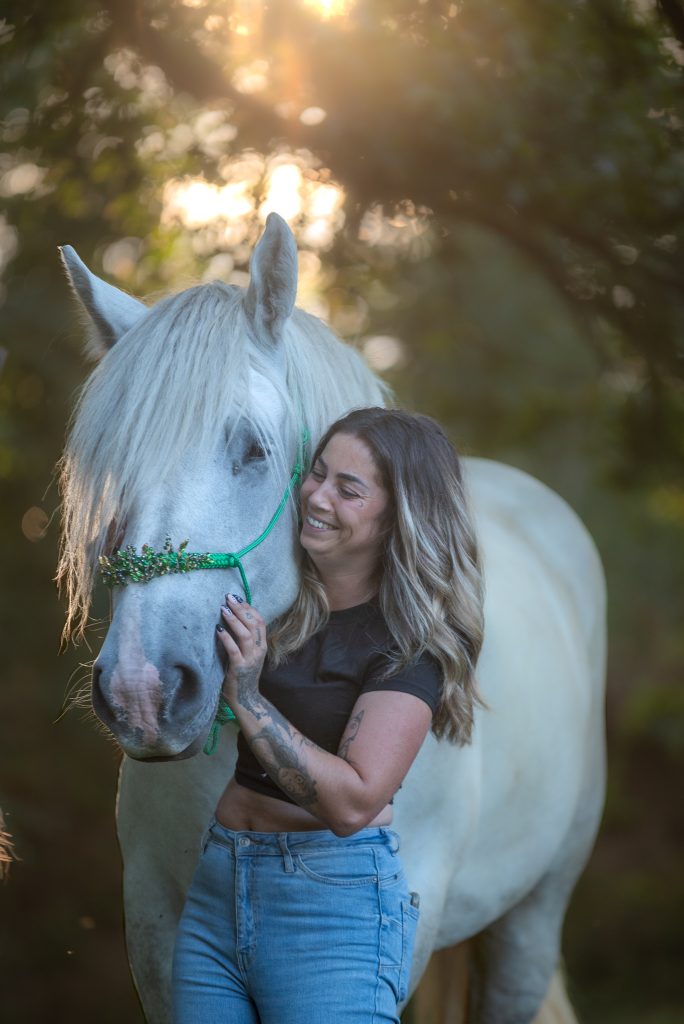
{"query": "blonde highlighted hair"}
(430, 587)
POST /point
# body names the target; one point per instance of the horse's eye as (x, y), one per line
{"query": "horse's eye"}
(256, 452)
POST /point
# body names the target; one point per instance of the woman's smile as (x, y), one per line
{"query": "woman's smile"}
(317, 524)
(343, 506)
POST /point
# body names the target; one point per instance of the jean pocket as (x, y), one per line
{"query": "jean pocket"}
(338, 867)
(410, 917)
(397, 939)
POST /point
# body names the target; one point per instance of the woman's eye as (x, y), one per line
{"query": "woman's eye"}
(316, 474)
(347, 494)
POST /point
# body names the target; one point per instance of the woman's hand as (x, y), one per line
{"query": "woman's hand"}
(242, 633)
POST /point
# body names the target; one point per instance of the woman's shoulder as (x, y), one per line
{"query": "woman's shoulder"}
(363, 631)
(421, 676)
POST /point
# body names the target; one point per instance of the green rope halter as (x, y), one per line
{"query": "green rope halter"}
(128, 566)
(224, 714)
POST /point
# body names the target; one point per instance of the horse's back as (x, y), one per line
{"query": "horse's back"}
(514, 510)
(534, 770)
(542, 665)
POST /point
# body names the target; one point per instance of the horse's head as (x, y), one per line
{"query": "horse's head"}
(189, 428)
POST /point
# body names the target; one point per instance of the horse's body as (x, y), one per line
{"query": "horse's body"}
(494, 834)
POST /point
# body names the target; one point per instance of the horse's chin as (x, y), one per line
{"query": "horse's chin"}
(194, 748)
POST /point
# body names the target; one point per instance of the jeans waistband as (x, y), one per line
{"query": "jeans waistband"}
(277, 842)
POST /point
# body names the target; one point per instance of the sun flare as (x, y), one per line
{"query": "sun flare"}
(330, 8)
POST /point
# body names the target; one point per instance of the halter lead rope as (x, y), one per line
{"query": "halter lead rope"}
(127, 566)
(224, 714)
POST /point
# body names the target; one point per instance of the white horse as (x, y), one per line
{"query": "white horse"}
(189, 427)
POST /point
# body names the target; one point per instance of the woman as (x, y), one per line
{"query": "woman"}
(299, 911)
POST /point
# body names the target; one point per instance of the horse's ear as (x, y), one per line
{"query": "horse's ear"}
(272, 288)
(110, 312)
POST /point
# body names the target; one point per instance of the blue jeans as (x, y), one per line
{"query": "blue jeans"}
(294, 928)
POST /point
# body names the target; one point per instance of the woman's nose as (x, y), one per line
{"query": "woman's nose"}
(319, 497)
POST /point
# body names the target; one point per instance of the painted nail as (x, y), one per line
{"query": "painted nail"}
(236, 597)
(226, 611)
(219, 628)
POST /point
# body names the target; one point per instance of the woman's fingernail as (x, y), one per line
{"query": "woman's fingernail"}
(236, 597)
(226, 611)
(219, 628)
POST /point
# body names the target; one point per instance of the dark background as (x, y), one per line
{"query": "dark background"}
(510, 211)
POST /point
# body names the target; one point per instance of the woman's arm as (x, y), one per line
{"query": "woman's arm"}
(344, 790)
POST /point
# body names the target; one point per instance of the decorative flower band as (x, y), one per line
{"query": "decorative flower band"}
(128, 566)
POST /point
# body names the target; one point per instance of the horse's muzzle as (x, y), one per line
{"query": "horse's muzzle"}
(153, 714)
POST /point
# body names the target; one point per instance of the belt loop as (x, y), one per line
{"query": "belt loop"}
(392, 839)
(287, 856)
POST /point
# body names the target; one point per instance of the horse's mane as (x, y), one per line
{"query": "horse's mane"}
(165, 391)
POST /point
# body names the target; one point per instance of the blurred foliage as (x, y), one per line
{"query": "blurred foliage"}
(513, 182)
(559, 129)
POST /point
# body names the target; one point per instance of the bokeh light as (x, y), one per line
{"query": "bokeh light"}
(9, 242)
(196, 202)
(252, 77)
(330, 8)
(383, 352)
(222, 217)
(407, 229)
(121, 257)
(34, 523)
(312, 116)
(283, 192)
(22, 179)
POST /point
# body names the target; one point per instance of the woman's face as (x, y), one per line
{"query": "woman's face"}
(343, 507)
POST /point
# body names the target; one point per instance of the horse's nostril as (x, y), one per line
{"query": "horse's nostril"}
(160, 713)
(185, 698)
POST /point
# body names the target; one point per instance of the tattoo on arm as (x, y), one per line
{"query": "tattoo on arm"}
(248, 692)
(350, 734)
(280, 749)
(258, 637)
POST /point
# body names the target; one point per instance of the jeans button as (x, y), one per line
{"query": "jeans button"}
(243, 841)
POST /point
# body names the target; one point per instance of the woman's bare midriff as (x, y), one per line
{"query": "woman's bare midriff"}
(244, 810)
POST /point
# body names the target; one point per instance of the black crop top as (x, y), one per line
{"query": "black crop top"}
(317, 687)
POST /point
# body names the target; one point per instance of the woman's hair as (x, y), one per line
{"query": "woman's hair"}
(431, 589)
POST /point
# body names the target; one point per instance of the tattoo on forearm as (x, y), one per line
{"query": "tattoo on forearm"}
(278, 746)
(350, 734)
(248, 691)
